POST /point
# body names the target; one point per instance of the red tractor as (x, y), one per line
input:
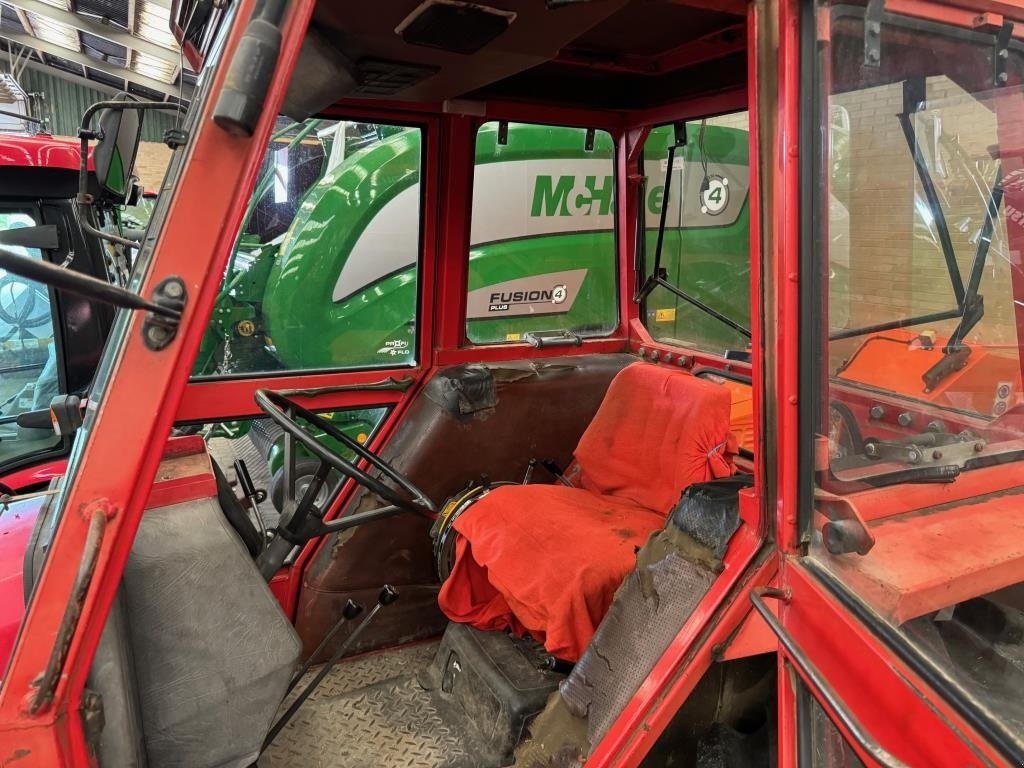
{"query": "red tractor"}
(567, 546)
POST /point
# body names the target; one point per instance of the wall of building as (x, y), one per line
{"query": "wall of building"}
(65, 103)
(896, 267)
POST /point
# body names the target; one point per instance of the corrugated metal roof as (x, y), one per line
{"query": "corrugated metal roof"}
(127, 39)
(66, 102)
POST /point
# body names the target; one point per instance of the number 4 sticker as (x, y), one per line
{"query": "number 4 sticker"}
(714, 197)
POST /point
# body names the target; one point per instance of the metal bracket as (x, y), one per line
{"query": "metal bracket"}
(1001, 54)
(873, 33)
(159, 330)
(845, 532)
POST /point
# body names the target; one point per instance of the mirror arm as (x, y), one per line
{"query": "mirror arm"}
(82, 284)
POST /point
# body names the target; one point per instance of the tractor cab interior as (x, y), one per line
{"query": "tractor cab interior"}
(506, 530)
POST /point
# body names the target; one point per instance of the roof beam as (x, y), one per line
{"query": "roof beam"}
(42, 46)
(85, 24)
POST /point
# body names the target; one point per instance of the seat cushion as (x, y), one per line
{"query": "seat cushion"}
(544, 560)
(657, 432)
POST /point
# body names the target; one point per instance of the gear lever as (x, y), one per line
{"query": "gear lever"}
(387, 596)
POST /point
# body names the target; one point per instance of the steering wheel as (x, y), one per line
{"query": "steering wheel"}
(305, 521)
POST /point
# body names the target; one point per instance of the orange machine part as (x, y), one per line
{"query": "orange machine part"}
(896, 361)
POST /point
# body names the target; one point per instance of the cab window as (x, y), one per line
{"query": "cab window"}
(542, 238)
(330, 240)
(705, 247)
(29, 377)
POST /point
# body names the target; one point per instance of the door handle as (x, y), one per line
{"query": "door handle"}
(853, 726)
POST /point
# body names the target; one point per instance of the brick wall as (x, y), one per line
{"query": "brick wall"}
(896, 267)
(151, 164)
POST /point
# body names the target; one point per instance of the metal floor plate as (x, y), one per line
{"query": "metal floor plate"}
(371, 712)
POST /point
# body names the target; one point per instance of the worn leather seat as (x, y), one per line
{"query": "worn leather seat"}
(547, 559)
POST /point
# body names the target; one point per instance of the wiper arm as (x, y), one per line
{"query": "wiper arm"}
(658, 273)
(974, 305)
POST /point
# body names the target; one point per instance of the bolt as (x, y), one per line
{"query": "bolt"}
(1003, 77)
(173, 289)
(936, 426)
(979, 447)
(655, 356)
(871, 450)
(877, 412)
(1004, 53)
(936, 455)
(913, 456)
(668, 357)
(642, 352)
(157, 335)
(905, 419)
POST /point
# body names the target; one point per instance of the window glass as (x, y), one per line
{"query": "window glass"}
(28, 360)
(542, 239)
(822, 743)
(919, 288)
(259, 443)
(705, 250)
(324, 272)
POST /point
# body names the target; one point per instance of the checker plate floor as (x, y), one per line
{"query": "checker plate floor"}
(371, 712)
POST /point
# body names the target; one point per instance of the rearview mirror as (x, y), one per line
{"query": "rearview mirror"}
(120, 131)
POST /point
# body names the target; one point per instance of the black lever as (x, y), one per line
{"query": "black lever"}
(556, 471)
(349, 612)
(251, 496)
(387, 596)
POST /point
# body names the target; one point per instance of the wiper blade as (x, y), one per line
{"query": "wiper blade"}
(656, 280)
(946, 473)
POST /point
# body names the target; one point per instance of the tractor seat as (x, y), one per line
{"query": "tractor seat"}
(545, 560)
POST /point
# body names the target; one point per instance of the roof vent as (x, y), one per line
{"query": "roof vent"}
(455, 26)
(380, 77)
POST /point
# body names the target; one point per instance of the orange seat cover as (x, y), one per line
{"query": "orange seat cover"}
(547, 559)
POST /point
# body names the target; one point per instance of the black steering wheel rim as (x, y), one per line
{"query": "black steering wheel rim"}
(278, 407)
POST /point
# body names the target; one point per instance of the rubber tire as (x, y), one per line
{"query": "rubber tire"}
(304, 467)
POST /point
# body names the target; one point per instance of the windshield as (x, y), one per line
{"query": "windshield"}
(919, 288)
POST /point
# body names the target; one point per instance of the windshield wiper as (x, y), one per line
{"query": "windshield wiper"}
(970, 304)
(659, 275)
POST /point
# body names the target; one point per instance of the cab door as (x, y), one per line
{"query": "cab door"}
(900, 610)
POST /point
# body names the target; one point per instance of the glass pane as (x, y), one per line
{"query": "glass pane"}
(259, 443)
(324, 272)
(706, 244)
(924, 287)
(822, 743)
(28, 358)
(918, 244)
(542, 243)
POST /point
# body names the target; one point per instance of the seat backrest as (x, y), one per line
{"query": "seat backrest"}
(197, 653)
(657, 432)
